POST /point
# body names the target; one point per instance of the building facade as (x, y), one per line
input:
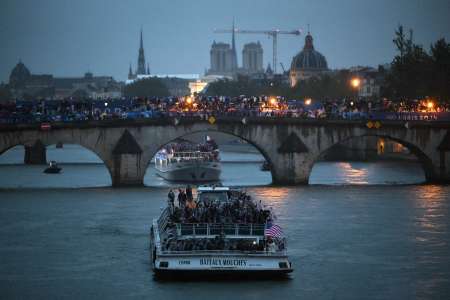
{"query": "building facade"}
(221, 59)
(24, 84)
(371, 81)
(252, 58)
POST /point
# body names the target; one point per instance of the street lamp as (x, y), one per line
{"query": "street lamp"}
(308, 101)
(355, 82)
(273, 101)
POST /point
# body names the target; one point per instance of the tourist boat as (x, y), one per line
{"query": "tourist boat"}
(224, 232)
(53, 168)
(188, 162)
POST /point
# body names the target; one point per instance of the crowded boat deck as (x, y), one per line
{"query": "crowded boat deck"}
(223, 230)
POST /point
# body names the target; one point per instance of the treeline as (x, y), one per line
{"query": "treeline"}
(417, 73)
(147, 87)
(325, 86)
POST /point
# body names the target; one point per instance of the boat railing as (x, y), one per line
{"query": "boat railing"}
(213, 229)
(224, 252)
(163, 220)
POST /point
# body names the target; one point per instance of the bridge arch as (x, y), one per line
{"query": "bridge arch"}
(424, 160)
(170, 139)
(47, 143)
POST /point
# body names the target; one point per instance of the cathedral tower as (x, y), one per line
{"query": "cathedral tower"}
(141, 59)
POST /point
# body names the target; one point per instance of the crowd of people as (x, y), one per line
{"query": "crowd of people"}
(236, 208)
(204, 107)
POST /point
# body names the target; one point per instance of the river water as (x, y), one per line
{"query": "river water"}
(359, 231)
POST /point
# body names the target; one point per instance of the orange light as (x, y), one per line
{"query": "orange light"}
(188, 100)
(273, 101)
(430, 104)
(308, 101)
(355, 82)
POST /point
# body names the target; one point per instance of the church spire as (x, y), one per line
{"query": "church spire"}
(233, 48)
(141, 58)
(130, 72)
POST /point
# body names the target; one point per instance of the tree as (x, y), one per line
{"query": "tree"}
(411, 69)
(148, 87)
(440, 56)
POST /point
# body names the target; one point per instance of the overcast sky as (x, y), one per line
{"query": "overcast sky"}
(67, 38)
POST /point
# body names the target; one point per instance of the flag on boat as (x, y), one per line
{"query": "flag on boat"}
(273, 230)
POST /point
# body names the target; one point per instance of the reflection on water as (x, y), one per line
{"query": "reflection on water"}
(432, 231)
(360, 173)
(354, 174)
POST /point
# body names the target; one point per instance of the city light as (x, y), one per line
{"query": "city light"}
(308, 101)
(273, 101)
(430, 104)
(355, 82)
(106, 104)
(189, 100)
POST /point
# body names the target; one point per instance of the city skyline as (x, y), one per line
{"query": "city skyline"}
(67, 39)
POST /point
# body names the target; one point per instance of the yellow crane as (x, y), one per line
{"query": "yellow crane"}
(270, 33)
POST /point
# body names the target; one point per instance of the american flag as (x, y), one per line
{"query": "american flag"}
(273, 230)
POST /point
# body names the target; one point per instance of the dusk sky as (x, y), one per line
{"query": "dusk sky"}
(68, 38)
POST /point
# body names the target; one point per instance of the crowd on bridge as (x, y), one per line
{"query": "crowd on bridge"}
(17, 112)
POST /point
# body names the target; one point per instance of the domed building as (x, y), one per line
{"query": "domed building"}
(19, 75)
(307, 63)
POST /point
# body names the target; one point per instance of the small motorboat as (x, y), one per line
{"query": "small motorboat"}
(53, 168)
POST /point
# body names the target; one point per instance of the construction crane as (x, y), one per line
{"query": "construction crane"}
(270, 33)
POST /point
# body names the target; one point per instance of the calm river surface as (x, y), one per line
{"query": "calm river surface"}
(347, 239)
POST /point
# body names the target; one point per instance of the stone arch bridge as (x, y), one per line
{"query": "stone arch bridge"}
(291, 146)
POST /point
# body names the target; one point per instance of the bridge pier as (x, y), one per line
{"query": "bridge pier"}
(292, 169)
(127, 165)
(36, 154)
(126, 170)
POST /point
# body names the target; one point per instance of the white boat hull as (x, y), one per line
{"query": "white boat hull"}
(221, 263)
(190, 171)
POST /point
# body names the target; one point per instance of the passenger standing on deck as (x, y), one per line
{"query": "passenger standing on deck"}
(271, 247)
(189, 193)
(171, 199)
(181, 198)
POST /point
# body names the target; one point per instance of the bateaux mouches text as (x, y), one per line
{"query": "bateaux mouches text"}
(226, 262)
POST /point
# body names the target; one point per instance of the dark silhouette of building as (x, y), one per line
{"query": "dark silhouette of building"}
(252, 58)
(307, 63)
(23, 84)
(140, 70)
(223, 58)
